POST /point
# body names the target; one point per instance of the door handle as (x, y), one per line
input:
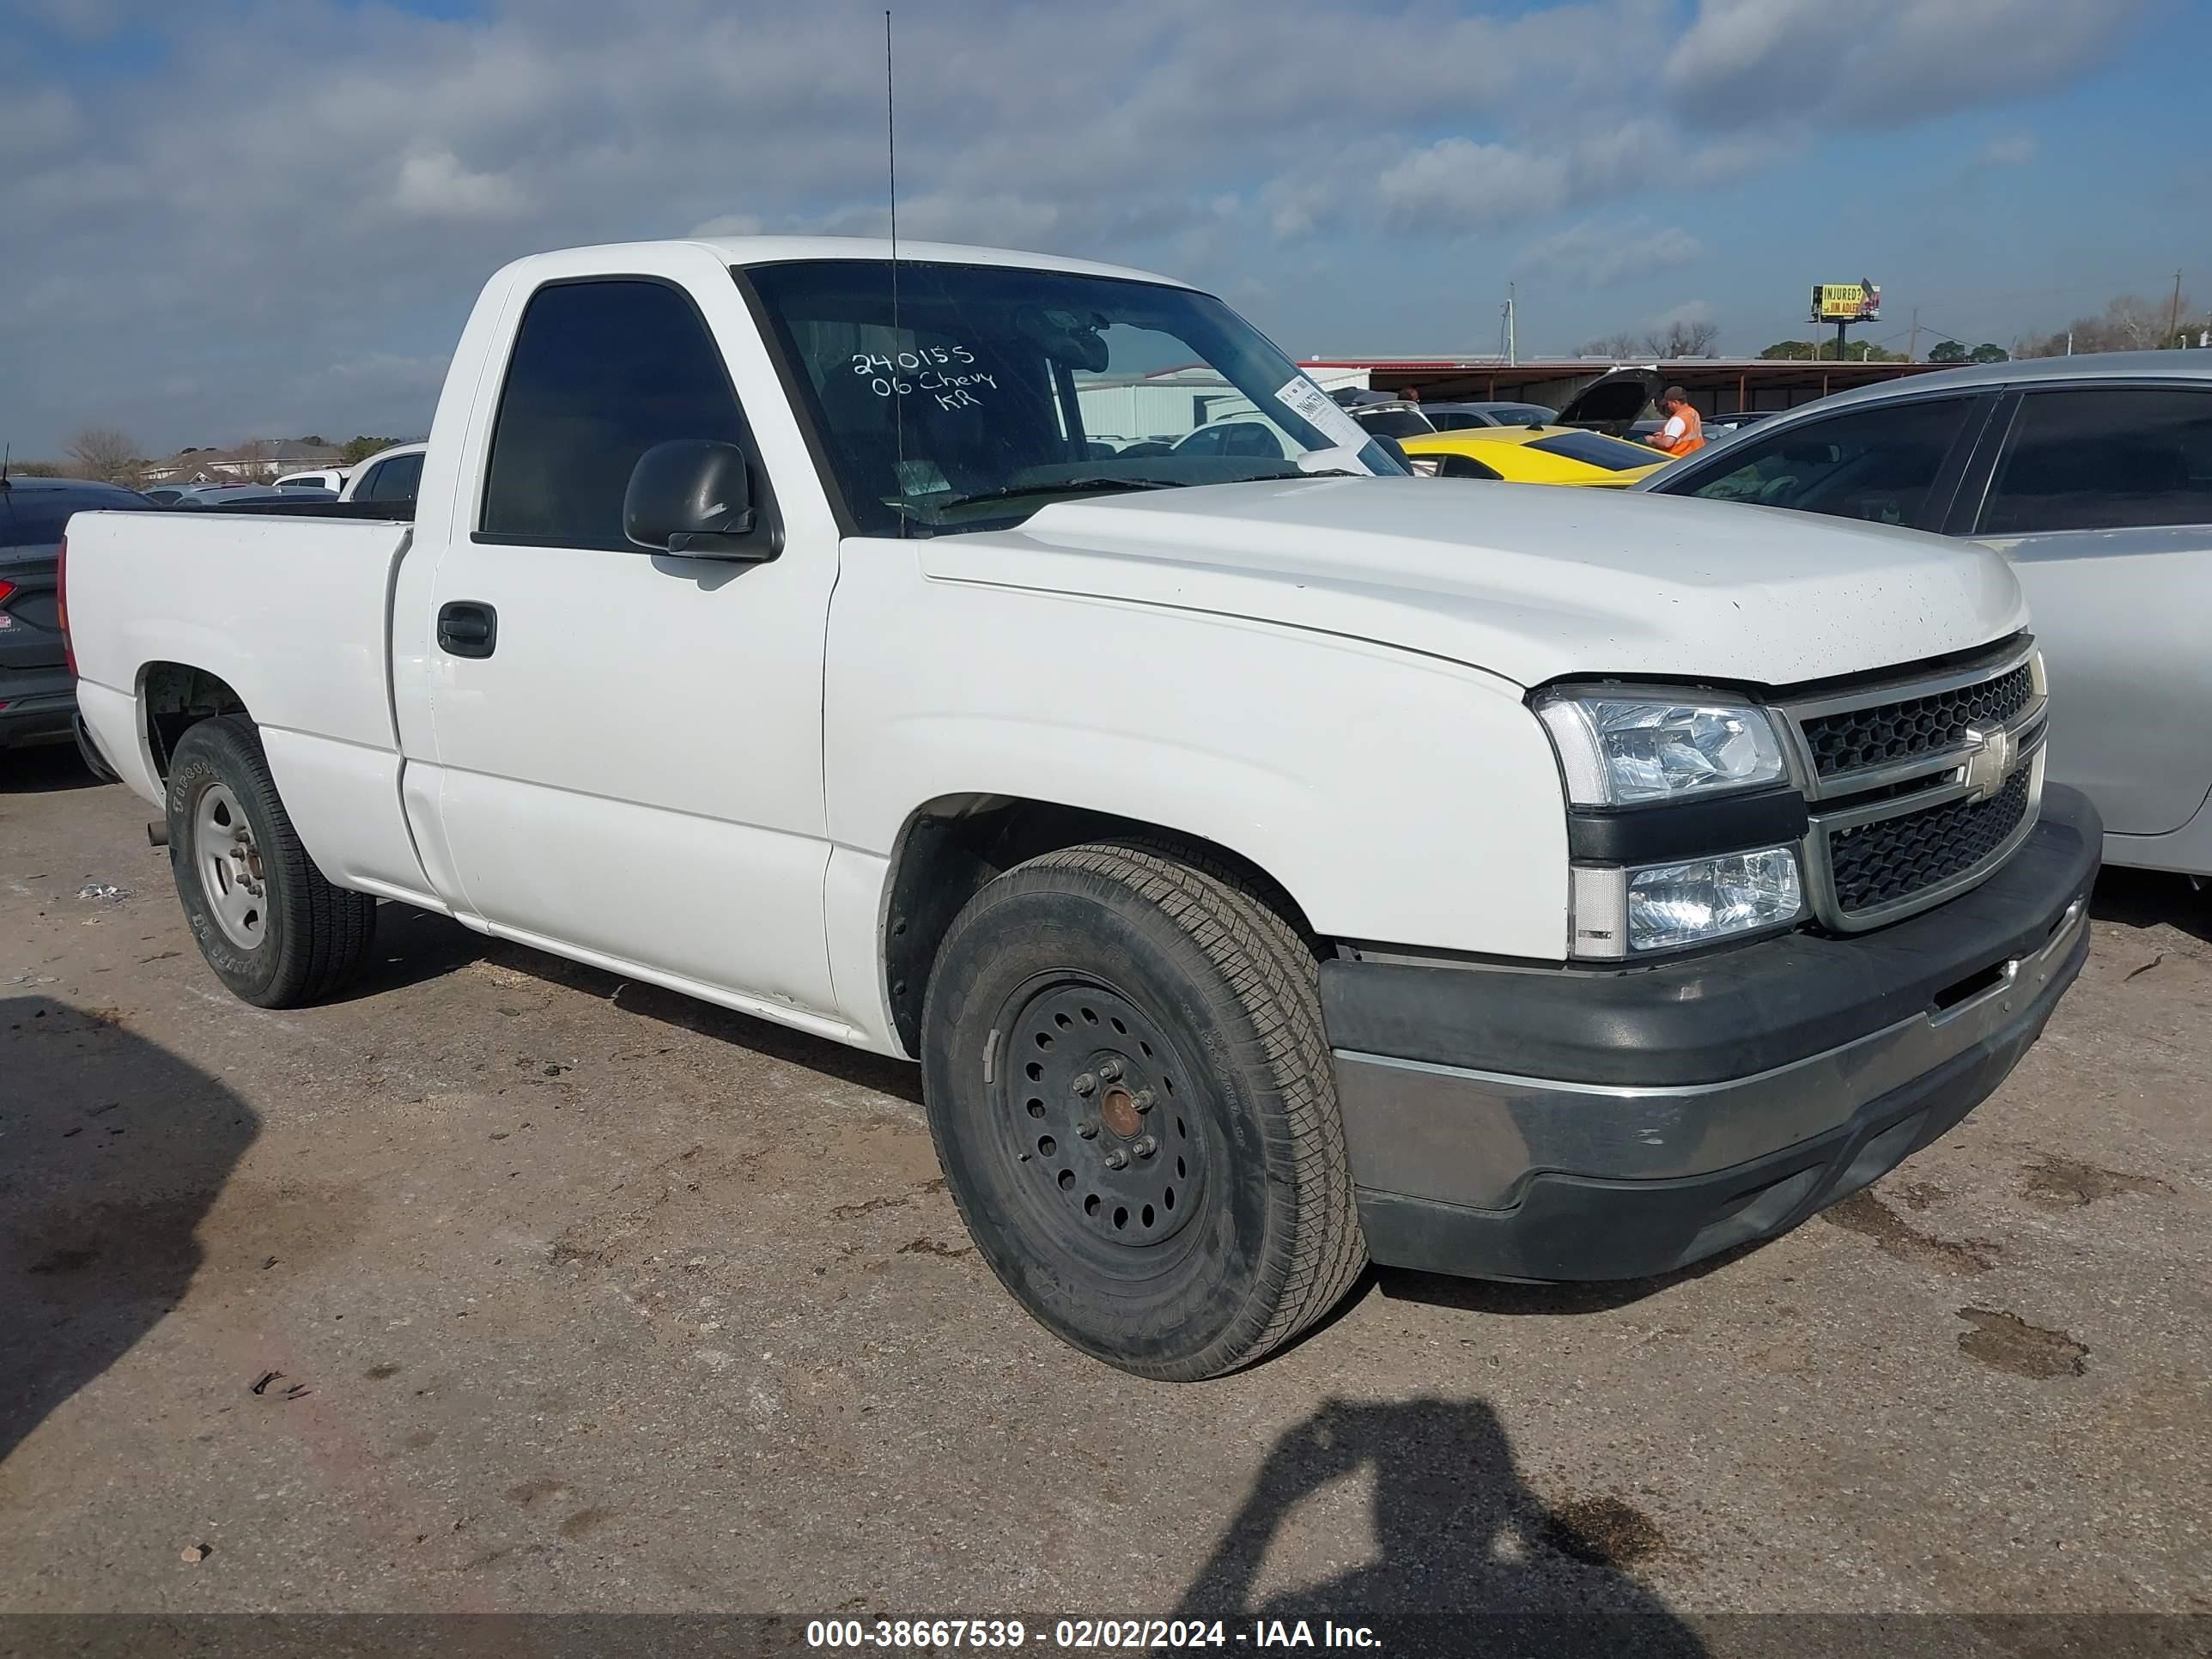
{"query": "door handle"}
(467, 628)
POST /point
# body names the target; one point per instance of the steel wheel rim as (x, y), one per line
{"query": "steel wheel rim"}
(229, 861)
(1099, 1108)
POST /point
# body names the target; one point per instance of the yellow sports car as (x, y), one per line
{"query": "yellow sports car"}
(1533, 454)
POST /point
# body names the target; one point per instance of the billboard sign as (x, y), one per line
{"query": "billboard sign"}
(1846, 302)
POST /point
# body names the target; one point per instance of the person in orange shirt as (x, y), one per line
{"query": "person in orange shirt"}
(1683, 432)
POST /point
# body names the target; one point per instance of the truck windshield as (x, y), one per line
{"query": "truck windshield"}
(999, 390)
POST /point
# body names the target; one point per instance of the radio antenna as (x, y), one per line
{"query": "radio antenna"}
(891, 157)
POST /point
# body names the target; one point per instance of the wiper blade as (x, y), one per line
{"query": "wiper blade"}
(1068, 486)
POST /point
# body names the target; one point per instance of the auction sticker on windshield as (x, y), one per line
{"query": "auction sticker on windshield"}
(1302, 397)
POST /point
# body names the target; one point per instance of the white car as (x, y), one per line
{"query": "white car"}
(389, 475)
(1270, 872)
(330, 478)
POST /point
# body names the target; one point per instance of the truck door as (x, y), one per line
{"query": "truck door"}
(628, 742)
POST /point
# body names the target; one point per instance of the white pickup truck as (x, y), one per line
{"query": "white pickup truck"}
(1273, 863)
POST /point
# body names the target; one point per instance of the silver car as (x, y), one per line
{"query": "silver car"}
(2093, 476)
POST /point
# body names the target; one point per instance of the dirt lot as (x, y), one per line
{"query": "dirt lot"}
(507, 1285)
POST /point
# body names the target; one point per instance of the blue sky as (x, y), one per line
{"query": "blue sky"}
(248, 218)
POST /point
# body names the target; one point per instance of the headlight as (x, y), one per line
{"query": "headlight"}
(1663, 907)
(1623, 751)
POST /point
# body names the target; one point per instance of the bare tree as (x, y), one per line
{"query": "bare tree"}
(2128, 323)
(1621, 344)
(1683, 338)
(103, 453)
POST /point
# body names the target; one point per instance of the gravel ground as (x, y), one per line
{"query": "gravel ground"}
(506, 1284)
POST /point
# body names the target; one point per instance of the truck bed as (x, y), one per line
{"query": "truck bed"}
(292, 610)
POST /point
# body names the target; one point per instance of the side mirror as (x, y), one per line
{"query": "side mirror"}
(693, 497)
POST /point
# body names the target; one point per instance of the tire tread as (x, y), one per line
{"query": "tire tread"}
(1240, 925)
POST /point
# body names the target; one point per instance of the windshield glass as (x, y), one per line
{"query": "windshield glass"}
(1598, 450)
(1003, 389)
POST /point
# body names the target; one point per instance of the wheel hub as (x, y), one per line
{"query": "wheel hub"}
(228, 860)
(1095, 1094)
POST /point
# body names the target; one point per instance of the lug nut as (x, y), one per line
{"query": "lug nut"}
(1142, 1100)
(1087, 1128)
(1110, 1070)
(1116, 1158)
(1086, 1084)
(1146, 1146)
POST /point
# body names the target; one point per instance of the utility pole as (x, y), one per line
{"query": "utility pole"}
(1912, 346)
(2174, 311)
(1512, 334)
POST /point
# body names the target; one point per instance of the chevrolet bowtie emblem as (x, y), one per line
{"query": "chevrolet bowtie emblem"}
(1989, 761)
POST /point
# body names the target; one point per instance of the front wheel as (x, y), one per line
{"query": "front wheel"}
(1131, 1098)
(274, 930)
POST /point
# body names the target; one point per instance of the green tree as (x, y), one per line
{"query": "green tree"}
(358, 449)
(1854, 351)
(1989, 353)
(1949, 351)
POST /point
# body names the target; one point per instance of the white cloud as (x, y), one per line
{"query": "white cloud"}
(1690, 311)
(2012, 149)
(82, 20)
(1879, 62)
(36, 124)
(256, 217)
(1597, 253)
(1458, 185)
(727, 224)
(436, 186)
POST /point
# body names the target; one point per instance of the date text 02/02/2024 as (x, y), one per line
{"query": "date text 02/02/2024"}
(1083, 1633)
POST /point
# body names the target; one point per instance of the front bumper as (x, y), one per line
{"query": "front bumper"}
(1554, 1124)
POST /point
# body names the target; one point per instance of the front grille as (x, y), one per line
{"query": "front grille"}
(1892, 859)
(1857, 739)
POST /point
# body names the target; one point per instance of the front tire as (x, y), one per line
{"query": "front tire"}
(274, 930)
(1130, 1099)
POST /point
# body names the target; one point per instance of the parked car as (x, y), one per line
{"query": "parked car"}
(38, 700)
(1458, 416)
(389, 475)
(2092, 476)
(1249, 437)
(331, 479)
(1735, 419)
(1533, 454)
(206, 495)
(1400, 421)
(1269, 871)
(164, 494)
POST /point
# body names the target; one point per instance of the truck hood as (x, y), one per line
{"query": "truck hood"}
(1527, 582)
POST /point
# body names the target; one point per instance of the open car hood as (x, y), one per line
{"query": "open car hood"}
(1613, 399)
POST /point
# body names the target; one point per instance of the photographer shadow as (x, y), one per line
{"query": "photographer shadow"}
(116, 1149)
(1457, 1534)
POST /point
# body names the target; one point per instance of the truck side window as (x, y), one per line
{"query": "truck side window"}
(395, 480)
(1875, 463)
(601, 371)
(2104, 457)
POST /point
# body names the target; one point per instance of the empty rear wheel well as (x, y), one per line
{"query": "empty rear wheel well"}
(176, 696)
(955, 844)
